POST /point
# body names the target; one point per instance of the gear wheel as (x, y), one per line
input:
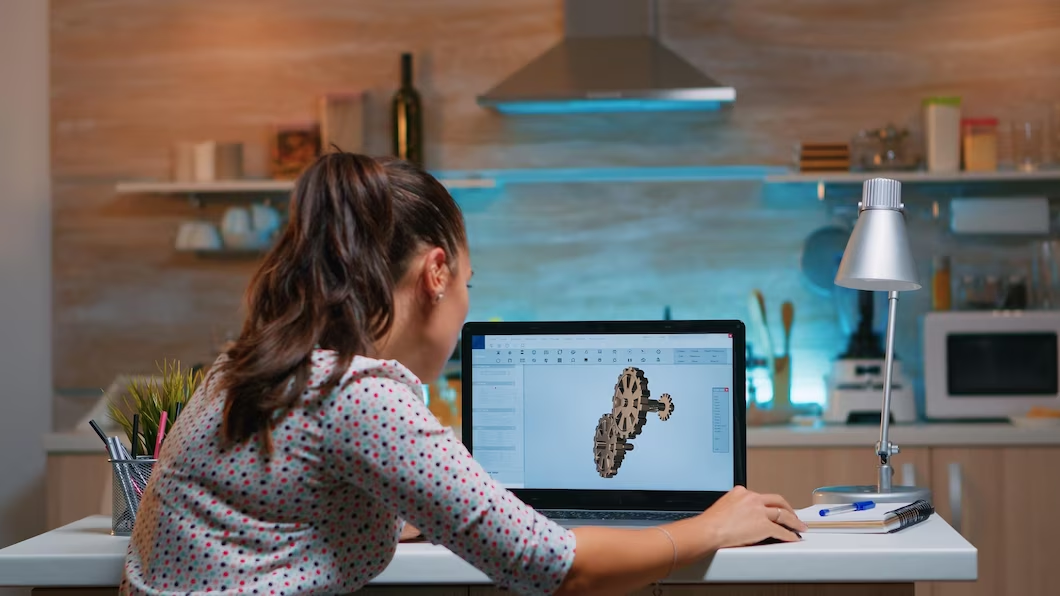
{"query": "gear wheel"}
(666, 404)
(629, 404)
(608, 448)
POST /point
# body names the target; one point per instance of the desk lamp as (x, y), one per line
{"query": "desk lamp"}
(878, 258)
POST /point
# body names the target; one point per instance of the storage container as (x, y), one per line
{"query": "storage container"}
(979, 143)
(942, 133)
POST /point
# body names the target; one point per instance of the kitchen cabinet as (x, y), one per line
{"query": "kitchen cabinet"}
(794, 472)
(1003, 501)
(76, 486)
(752, 590)
(997, 486)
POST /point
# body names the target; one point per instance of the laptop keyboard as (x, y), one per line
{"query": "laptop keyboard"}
(617, 515)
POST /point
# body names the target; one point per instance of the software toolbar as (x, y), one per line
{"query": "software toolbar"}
(599, 355)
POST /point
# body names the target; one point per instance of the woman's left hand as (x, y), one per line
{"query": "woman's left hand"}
(409, 533)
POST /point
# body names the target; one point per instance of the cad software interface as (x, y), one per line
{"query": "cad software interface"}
(620, 412)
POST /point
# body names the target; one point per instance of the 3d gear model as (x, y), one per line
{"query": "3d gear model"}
(630, 406)
(608, 448)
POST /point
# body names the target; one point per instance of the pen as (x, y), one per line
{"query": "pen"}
(127, 486)
(176, 412)
(161, 433)
(859, 506)
(99, 431)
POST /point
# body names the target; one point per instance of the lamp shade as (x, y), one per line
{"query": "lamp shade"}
(877, 256)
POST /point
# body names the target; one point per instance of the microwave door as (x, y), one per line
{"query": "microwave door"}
(990, 365)
(1002, 364)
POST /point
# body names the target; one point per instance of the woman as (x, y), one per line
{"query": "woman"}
(292, 468)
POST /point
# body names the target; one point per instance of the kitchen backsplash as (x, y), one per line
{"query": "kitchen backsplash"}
(123, 299)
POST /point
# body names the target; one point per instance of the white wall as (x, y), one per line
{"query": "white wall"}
(25, 266)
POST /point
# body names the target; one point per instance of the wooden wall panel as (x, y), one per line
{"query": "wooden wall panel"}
(132, 77)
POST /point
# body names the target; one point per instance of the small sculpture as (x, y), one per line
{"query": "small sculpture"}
(630, 406)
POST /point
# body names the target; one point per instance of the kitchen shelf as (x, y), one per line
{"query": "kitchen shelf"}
(471, 179)
(248, 186)
(227, 253)
(915, 177)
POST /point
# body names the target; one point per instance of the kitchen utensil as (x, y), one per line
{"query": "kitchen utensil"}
(821, 252)
(787, 316)
(1045, 274)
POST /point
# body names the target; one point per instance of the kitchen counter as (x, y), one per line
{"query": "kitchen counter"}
(821, 435)
(84, 554)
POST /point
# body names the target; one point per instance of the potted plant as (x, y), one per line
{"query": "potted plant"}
(149, 397)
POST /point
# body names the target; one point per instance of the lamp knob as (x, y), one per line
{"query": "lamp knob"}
(881, 193)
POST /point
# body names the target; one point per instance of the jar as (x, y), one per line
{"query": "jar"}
(942, 133)
(979, 143)
(940, 284)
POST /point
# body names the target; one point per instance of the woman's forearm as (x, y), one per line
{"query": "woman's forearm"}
(618, 561)
(614, 561)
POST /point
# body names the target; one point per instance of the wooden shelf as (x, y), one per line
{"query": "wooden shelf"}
(915, 177)
(471, 179)
(250, 186)
(485, 179)
(232, 254)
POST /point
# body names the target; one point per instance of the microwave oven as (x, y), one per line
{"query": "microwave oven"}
(990, 364)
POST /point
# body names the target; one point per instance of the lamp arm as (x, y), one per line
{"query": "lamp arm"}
(885, 449)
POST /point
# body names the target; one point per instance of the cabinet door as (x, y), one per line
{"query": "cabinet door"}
(794, 472)
(967, 488)
(76, 486)
(1003, 501)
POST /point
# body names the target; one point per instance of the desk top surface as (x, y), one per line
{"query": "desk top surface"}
(85, 554)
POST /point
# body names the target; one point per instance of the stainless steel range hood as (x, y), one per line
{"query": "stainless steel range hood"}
(610, 60)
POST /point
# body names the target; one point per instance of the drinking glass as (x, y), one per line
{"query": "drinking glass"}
(1028, 144)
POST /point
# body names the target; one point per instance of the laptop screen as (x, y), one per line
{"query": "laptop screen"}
(611, 411)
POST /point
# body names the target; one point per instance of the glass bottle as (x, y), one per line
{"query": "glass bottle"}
(940, 284)
(407, 117)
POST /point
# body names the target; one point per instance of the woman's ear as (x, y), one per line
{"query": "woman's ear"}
(436, 274)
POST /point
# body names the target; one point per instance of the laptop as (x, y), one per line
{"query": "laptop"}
(623, 423)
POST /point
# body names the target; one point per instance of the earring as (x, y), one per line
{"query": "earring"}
(438, 297)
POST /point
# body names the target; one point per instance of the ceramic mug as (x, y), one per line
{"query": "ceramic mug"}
(198, 235)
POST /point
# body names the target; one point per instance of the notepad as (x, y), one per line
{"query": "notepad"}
(883, 519)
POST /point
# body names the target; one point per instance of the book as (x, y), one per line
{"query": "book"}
(882, 519)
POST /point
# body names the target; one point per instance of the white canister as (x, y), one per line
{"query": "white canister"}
(942, 133)
(205, 161)
(184, 162)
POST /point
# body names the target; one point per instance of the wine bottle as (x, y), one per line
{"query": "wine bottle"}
(407, 117)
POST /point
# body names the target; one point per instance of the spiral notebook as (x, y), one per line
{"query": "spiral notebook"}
(882, 519)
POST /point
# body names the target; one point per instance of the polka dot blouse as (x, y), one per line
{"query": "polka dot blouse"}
(324, 513)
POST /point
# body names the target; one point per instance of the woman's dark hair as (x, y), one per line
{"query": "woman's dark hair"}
(354, 224)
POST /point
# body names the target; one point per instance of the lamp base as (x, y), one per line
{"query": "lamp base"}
(870, 492)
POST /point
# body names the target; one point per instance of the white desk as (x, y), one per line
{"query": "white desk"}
(85, 555)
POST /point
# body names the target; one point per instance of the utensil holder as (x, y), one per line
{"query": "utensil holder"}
(130, 478)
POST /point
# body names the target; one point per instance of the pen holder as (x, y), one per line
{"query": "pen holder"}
(130, 478)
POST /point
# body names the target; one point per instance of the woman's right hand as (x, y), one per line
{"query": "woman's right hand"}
(743, 517)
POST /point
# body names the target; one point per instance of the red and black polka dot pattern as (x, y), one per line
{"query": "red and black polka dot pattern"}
(322, 515)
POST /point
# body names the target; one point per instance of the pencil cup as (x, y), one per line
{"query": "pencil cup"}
(130, 481)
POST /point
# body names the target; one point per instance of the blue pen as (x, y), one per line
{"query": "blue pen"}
(859, 506)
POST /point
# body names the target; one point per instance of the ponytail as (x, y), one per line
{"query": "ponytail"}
(354, 223)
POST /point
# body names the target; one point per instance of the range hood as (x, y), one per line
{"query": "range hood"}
(610, 60)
